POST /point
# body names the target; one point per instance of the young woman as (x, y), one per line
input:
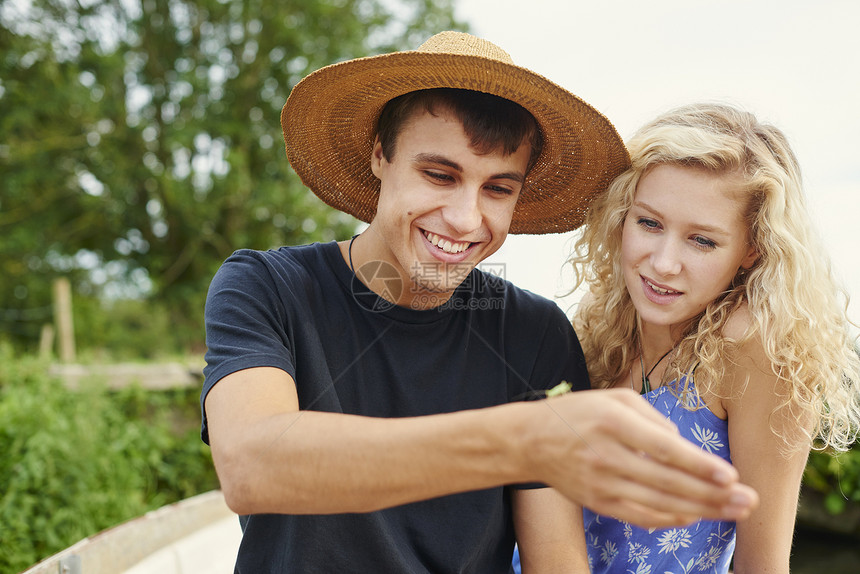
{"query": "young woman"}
(709, 294)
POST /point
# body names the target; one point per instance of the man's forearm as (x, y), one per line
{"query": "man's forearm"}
(309, 462)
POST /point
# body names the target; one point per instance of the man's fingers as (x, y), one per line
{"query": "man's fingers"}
(614, 471)
(668, 503)
(663, 444)
(625, 457)
(642, 516)
(670, 463)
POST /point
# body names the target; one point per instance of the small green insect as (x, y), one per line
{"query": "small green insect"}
(558, 390)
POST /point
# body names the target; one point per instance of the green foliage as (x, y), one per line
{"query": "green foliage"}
(128, 329)
(140, 141)
(837, 476)
(73, 463)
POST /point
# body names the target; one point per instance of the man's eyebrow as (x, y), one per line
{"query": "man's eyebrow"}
(442, 160)
(512, 175)
(438, 159)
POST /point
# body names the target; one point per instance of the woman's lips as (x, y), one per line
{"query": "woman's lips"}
(657, 293)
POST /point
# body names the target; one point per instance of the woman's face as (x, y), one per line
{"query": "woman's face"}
(683, 241)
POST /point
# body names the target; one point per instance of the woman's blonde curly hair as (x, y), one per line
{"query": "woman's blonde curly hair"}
(796, 307)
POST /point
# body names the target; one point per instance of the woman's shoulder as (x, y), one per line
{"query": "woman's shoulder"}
(745, 353)
(738, 325)
(747, 348)
(746, 359)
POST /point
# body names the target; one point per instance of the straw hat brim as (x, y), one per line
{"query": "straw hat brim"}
(329, 124)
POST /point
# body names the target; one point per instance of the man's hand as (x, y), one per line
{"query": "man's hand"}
(611, 451)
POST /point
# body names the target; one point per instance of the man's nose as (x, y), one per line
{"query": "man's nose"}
(463, 213)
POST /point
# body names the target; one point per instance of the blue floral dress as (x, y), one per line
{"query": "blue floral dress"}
(617, 547)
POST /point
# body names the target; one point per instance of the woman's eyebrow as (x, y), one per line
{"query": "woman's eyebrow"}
(699, 226)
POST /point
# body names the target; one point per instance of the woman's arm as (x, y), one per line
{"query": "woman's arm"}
(764, 460)
(550, 534)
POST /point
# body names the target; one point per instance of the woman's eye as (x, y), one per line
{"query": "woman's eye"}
(649, 223)
(704, 242)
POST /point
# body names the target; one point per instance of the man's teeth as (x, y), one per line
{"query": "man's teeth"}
(660, 290)
(445, 245)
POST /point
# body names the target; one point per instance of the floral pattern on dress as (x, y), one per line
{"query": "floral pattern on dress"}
(637, 552)
(706, 547)
(608, 552)
(672, 540)
(707, 439)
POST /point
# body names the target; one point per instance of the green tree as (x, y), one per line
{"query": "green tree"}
(140, 141)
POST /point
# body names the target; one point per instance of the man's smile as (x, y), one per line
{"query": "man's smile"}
(446, 245)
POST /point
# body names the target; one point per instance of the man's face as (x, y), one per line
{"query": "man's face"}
(443, 208)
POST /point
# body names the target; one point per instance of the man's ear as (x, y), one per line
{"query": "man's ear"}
(376, 157)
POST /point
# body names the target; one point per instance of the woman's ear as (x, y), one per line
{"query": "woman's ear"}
(750, 258)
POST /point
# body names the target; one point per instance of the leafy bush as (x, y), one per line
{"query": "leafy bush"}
(837, 476)
(73, 463)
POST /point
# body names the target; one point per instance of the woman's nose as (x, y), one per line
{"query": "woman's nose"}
(665, 258)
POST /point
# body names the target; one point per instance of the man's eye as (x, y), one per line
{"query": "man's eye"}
(500, 189)
(438, 176)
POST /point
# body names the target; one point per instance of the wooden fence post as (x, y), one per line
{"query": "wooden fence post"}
(63, 319)
(46, 341)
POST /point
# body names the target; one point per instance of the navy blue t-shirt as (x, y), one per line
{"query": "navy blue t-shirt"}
(301, 309)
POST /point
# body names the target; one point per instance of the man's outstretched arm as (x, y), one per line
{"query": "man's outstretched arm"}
(607, 450)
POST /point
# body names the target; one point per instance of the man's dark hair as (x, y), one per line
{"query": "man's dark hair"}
(492, 123)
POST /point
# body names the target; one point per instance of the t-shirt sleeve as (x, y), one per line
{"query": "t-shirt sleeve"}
(246, 323)
(560, 357)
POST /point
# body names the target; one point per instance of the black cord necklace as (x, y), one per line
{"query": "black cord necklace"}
(349, 252)
(646, 384)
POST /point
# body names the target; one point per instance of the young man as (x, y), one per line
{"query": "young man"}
(363, 398)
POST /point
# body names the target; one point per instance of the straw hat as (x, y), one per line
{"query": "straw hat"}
(330, 117)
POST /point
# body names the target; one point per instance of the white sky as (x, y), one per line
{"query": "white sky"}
(794, 63)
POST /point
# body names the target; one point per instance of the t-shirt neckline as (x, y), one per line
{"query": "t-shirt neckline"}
(368, 300)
